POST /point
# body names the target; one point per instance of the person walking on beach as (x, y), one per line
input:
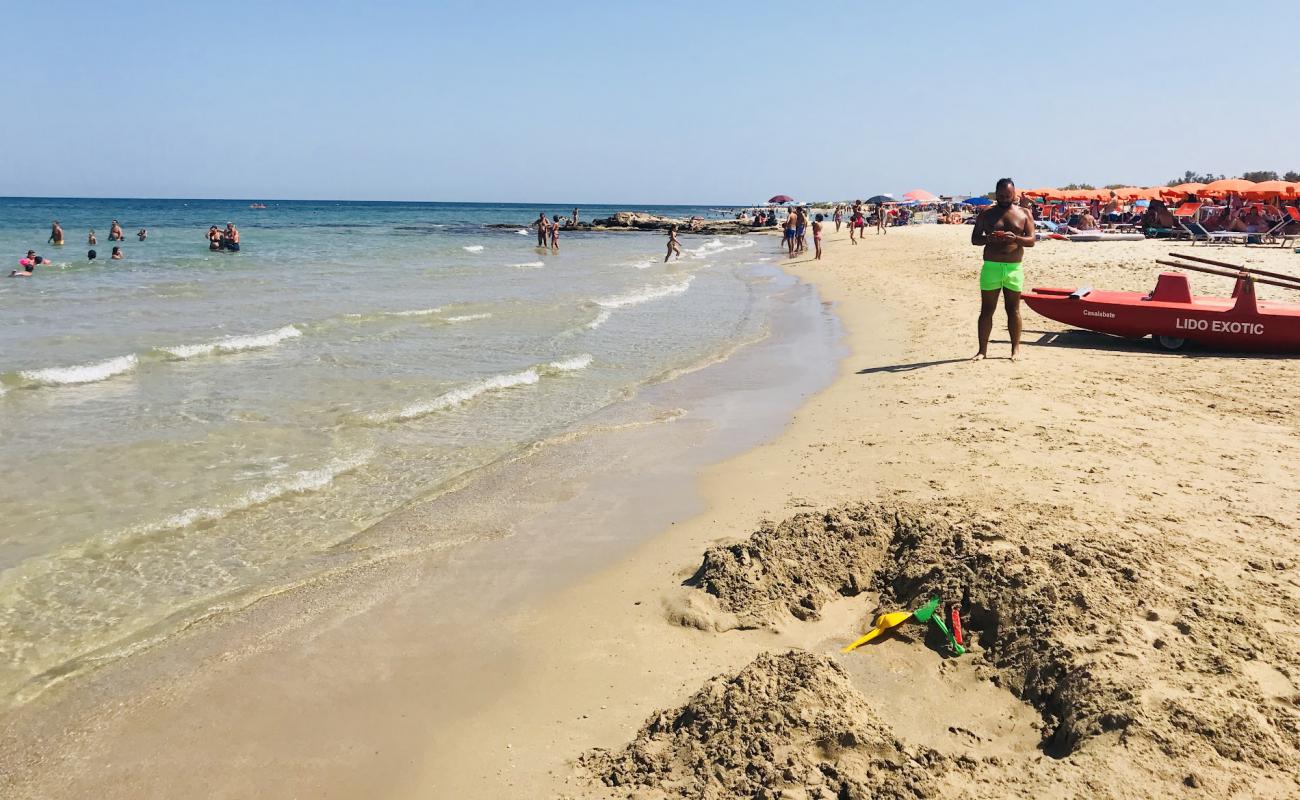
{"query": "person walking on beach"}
(543, 229)
(838, 216)
(555, 233)
(787, 233)
(115, 233)
(817, 236)
(56, 235)
(1004, 231)
(672, 245)
(881, 227)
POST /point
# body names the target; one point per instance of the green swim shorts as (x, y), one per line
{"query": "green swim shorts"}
(997, 275)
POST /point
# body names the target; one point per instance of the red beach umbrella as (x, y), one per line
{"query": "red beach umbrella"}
(781, 198)
(920, 196)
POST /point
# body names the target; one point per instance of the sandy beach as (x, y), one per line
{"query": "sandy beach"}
(1120, 522)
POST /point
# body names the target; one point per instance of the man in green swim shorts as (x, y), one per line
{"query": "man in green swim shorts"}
(1004, 231)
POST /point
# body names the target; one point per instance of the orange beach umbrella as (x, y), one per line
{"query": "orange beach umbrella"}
(1273, 188)
(1183, 189)
(1226, 187)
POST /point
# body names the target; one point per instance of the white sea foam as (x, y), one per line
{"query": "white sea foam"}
(462, 395)
(600, 319)
(645, 294)
(530, 265)
(468, 317)
(81, 373)
(415, 312)
(571, 364)
(523, 231)
(714, 246)
(473, 248)
(646, 264)
(234, 344)
(299, 483)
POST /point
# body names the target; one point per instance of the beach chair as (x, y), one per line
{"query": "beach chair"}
(1292, 216)
(1185, 216)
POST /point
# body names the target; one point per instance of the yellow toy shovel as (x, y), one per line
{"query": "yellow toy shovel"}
(883, 623)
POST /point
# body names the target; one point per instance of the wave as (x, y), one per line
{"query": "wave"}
(714, 246)
(468, 317)
(523, 231)
(646, 263)
(415, 312)
(81, 373)
(570, 364)
(233, 344)
(462, 395)
(600, 319)
(530, 265)
(300, 483)
(473, 248)
(645, 295)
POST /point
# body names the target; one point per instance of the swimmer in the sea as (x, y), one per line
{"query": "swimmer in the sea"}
(142, 234)
(91, 240)
(115, 233)
(56, 235)
(27, 265)
(117, 254)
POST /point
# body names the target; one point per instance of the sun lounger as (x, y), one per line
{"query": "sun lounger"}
(1292, 216)
(1199, 232)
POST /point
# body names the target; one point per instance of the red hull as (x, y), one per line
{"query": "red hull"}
(1237, 323)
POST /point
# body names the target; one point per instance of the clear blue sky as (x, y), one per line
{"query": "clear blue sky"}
(690, 102)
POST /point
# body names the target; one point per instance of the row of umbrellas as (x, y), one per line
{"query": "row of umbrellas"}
(1223, 188)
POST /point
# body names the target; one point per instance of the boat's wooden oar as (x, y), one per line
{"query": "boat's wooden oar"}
(1225, 273)
(1251, 270)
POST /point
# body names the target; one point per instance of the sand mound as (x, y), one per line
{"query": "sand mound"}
(785, 726)
(796, 567)
(1105, 635)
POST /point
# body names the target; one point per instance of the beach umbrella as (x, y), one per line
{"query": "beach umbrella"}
(1273, 189)
(1125, 192)
(881, 198)
(1154, 193)
(978, 201)
(781, 198)
(921, 196)
(1183, 189)
(1038, 192)
(1226, 187)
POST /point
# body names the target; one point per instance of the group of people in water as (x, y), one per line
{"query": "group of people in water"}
(548, 230)
(218, 239)
(227, 239)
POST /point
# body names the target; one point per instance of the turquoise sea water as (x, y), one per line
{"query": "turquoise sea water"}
(183, 427)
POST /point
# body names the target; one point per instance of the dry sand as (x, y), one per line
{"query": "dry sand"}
(1119, 522)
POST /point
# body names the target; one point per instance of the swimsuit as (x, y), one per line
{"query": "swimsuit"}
(998, 275)
(798, 232)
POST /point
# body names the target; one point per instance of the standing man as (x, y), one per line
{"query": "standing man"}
(1004, 231)
(575, 217)
(56, 234)
(543, 229)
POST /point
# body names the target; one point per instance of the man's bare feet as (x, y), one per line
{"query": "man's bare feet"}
(1015, 355)
(978, 357)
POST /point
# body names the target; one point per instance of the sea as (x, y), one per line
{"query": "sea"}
(185, 429)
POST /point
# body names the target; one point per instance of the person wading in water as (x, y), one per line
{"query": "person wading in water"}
(1004, 231)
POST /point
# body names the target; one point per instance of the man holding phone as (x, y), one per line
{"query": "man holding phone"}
(1004, 230)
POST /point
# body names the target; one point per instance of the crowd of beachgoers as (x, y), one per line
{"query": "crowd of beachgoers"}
(218, 239)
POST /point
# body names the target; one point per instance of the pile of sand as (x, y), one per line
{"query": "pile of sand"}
(785, 726)
(795, 568)
(1111, 638)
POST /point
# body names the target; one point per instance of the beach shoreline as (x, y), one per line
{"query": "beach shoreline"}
(1091, 442)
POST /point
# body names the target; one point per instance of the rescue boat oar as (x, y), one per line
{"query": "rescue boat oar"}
(1226, 274)
(1251, 270)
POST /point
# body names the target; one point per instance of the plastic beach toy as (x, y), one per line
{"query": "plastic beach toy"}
(883, 623)
(23, 262)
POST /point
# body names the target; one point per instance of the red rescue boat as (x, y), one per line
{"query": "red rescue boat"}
(1171, 315)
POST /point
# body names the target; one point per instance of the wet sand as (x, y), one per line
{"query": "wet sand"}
(1135, 510)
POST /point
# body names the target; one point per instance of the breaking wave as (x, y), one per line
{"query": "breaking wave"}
(468, 317)
(645, 295)
(81, 373)
(233, 344)
(473, 248)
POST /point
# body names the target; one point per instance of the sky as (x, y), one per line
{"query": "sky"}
(624, 102)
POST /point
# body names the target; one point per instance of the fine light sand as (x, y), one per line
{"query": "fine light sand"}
(1123, 521)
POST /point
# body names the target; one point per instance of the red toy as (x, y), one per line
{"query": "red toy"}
(1174, 317)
